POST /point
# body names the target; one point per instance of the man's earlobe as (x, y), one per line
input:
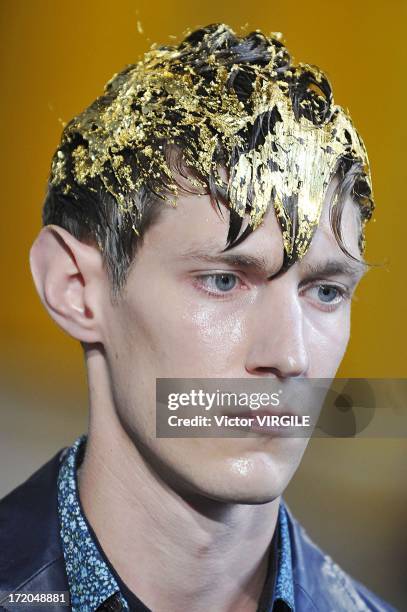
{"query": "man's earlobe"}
(69, 277)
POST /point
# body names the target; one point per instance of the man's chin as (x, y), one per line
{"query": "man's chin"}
(236, 493)
(249, 499)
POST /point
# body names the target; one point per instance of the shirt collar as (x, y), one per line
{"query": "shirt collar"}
(284, 588)
(91, 582)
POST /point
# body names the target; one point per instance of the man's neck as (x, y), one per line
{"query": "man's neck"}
(173, 552)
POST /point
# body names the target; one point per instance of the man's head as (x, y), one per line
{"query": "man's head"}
(206, 170)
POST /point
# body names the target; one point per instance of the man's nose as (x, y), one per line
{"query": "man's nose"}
(278, 345)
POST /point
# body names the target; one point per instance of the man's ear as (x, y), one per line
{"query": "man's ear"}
(69, 278)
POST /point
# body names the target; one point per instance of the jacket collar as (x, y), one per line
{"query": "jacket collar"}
(29, 544)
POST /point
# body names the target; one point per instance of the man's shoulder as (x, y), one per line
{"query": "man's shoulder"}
(320, 583)
(31, 557)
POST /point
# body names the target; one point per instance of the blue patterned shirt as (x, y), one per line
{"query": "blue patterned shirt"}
(91, 579)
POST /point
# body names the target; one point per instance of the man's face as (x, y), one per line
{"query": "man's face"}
(190, 311)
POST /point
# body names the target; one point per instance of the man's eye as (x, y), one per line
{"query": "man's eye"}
(328, 295)
(221, 282)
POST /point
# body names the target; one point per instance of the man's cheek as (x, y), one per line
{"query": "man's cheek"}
(214, 339)
(326, 353)
(214, 324)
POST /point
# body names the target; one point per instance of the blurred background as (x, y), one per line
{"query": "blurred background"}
(55, 58)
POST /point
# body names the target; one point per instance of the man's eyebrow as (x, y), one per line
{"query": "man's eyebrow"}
(234, 259)
(335, 267)
(312, 271)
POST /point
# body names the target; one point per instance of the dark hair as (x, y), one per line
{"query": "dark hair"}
(88, 209)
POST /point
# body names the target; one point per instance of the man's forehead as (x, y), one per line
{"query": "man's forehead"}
(199, 236)
(197, 219)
